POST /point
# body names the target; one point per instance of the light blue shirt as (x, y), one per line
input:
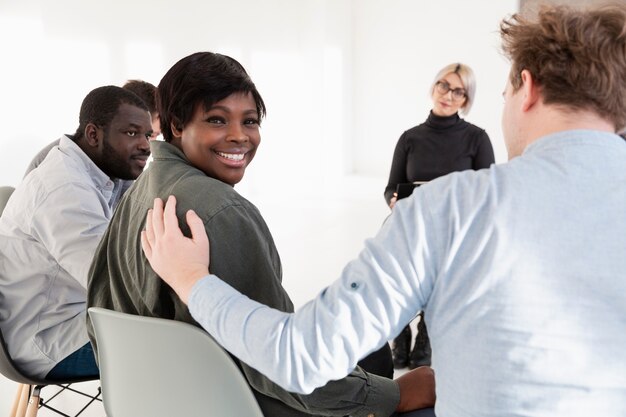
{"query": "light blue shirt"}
(521, 270)
(48, 234)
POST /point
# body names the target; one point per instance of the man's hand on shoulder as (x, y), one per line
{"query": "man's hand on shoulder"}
(180, 261)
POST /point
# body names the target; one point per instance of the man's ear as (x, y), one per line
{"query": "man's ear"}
(93, 135)
(530, 89)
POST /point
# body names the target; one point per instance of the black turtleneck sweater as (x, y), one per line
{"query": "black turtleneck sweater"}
(437, 147)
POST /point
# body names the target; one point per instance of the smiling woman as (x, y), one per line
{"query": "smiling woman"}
(221, 140)
(213, 118)
(210, 113)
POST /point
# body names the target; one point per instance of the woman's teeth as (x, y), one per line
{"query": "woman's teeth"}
(232, 156)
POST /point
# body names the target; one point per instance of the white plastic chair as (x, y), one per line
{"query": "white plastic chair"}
(5, 193)
(163, 368)
(28, 399)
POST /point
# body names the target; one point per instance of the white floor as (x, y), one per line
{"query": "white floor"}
(317, 231)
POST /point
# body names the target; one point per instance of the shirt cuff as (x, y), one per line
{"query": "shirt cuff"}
(198, 291)
(383, 398)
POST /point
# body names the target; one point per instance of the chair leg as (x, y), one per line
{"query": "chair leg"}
(21, 401)
(16, 401)
(33, 402)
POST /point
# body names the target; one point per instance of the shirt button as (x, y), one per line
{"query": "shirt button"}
(354, 286)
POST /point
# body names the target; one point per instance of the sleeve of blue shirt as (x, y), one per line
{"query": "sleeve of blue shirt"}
(377, 294)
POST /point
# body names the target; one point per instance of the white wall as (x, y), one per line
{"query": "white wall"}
(399, 48)
(341, 78)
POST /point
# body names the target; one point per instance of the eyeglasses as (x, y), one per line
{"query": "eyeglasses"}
(443, 88)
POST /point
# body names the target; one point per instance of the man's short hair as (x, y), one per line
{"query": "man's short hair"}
(101, 105)
(576, 56)
(145, 91)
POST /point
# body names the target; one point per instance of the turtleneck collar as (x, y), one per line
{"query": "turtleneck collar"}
(442, 122)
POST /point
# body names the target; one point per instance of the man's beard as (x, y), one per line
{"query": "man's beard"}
(116, 166)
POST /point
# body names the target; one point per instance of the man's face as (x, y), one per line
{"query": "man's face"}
(221, 141)
(156, 126)
(125, 147)
(511, 120)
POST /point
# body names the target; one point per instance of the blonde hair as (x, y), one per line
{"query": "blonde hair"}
(466, 75)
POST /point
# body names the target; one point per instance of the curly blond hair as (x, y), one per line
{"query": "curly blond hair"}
(576, 56)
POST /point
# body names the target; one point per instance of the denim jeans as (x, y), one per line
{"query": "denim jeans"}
(79, 364)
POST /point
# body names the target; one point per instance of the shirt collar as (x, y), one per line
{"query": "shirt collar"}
(442, 122)
(101, 180)
(573, 137)
(165, 150)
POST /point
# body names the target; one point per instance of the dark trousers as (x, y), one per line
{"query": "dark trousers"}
(424, 412)
(81, 363)
(379, 362)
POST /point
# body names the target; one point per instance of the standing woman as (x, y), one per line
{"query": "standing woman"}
(444, 143)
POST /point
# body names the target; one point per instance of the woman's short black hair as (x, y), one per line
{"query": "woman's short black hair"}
(201, 78)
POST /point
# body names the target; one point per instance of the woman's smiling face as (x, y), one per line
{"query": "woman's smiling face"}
(222, 140)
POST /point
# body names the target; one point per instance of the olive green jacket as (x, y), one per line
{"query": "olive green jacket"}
(242, 253)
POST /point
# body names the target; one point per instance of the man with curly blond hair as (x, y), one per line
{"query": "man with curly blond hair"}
(521, 268)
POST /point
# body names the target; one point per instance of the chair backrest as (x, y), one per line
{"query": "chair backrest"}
(156, 367)
(10, 370)
(5, 193)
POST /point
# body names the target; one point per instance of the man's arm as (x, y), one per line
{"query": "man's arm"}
(397, 172)
(484, 152)
(245, 257)
(376, 296)
(69, 223)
